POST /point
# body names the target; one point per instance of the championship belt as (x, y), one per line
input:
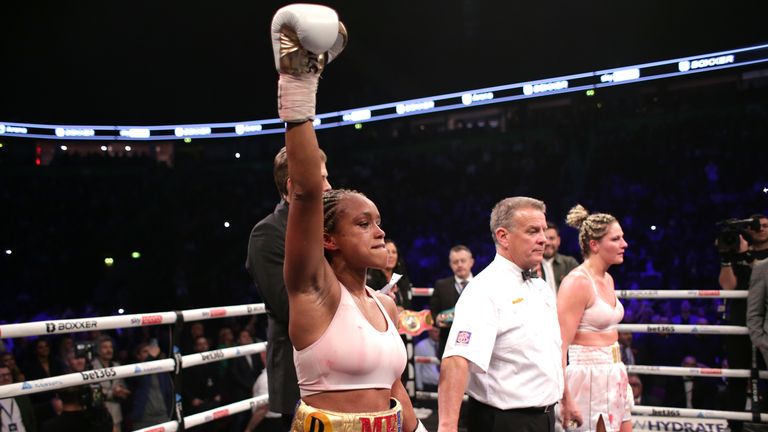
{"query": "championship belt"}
(414, 323)
(447, 315)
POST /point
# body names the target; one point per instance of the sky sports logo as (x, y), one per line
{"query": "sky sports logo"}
(215, 313)
(151, 319)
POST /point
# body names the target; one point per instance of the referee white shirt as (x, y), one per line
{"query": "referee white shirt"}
(509, 332)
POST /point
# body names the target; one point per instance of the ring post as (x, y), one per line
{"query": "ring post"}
(178, 411)
(754, 386)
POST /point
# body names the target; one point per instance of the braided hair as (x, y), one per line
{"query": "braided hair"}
(591, 226)
(331, 201)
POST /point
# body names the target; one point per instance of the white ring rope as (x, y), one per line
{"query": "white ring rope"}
(657, 370)
(681, 294)
(656, 411)
(647, 294)
(39, 328)
(210, 415)
(144, 368)
(424, 395)
(425, 359)
(86, 377)
(683, 329)
(125, 371)
(662, 370)
(688, 371)
(191, 360)
(696, 413)
(422, 292)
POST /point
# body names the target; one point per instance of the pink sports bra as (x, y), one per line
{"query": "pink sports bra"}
(351, 354)
(601, 316)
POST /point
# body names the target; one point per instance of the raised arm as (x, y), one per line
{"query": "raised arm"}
(727, 278)
(304, 261)
(305, 38)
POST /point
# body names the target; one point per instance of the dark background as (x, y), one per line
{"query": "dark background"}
(168, 62)
(677, 154)
(148, 63)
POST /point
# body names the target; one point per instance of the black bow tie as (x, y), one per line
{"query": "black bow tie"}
(529, 274)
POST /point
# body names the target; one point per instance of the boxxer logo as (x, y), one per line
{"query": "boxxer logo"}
(70, 326)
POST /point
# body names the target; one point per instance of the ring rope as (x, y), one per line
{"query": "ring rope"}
(40, 328)
(663, 370)
(425, 359)
(683, 329)
(646, 294)
(682, 294)
(425, 395)
(656, 411)
(657, 370)
(210, 415)
(687, 371)
(125, 371)
(168, 365)
(696, 413)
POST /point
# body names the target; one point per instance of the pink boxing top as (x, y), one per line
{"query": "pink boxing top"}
(601, 316)
(351, 354)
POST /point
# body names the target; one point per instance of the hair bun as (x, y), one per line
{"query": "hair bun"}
(576, 216)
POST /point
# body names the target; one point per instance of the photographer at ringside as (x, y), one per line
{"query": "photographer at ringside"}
(82, 406)
(77, 415)
(741, 244)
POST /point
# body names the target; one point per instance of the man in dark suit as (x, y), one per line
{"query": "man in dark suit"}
(241, 374)
(266, 254)
(447, 291)
(201, 390)
(555, 266)
(757, 304)
(692, 391)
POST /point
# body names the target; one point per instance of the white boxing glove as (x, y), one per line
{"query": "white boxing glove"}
(305, 38)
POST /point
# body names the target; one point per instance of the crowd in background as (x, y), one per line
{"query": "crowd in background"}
(668, 160)
(146, 400)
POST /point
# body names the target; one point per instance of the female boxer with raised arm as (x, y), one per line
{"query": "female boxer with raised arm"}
(596, 386)
(348, 353)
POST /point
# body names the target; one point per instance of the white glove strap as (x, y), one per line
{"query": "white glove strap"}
(420, 427)
(296, 97)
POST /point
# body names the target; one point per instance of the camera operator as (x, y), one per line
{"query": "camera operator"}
(82, 406)
(76, 416)
(738, 256)
(741, 245)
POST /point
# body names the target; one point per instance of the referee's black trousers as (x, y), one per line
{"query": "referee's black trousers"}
(485, 418)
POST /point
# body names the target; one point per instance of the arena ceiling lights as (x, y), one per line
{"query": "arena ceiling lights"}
(452, 101)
